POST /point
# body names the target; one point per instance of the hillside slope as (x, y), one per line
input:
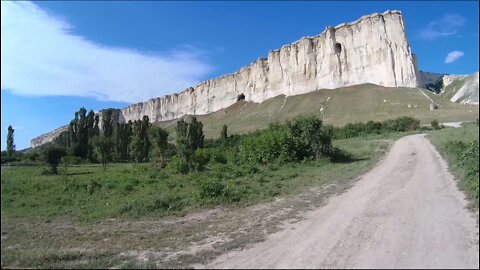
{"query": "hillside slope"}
(340, 106)
(462, 89)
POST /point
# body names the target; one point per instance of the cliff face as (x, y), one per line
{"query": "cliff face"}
(47, 137)
(373, 49)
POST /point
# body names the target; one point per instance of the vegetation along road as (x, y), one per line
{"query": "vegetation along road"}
(406, 212)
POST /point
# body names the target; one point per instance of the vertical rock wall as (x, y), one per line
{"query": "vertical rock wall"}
(373, 49)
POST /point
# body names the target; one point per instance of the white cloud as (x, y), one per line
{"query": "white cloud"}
(40, 56)
(448, 25)
(453, 56)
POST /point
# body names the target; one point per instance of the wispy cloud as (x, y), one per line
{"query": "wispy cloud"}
(453, 56)
(41, 56)
(448, 25)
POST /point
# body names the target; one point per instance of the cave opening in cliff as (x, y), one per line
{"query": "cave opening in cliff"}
(241, 97)
(338, 48)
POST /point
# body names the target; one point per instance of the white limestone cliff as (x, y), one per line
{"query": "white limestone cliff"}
(47, 137)
(373, 49)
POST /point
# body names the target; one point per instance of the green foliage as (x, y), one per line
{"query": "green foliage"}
(212, 188)
(302, 138)
(107, 122)
(104, 148)
(53, 155)
(82, 130)
(123, 138)
(190, 138)
(179, 165)
(460, 147)
(10, 144)
(466, 157)
(352, 130)
(195, 135)
(183, 148)
(267, 147)
(71, 160)
(223, 133)
(404, 123)
(435, 125)
(200, 159)
(160, 139)
(140, 144)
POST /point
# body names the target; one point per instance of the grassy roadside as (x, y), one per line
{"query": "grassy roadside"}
(45, 224)
(459, 146)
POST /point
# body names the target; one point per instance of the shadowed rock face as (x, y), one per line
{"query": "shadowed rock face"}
(373, 49)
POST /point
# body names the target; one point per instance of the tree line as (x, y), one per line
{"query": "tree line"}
(305, 137)
(139, 141)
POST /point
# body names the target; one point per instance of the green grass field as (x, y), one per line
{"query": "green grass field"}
(87, 192)
(358, 103)
(53, 221)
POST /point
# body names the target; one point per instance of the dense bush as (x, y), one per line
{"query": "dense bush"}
(302, 138)
(435, 125)
(371, 127)
(211, 188)
(404, 123)
(179, 164)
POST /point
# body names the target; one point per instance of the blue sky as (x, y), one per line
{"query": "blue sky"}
(59, 56)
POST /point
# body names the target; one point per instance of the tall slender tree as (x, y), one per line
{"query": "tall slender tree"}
(195, 134)
(140, 145)
(107, 122)
(183, 148)
(160, 138)
(223, 133)
(122, 138)
(10, 142)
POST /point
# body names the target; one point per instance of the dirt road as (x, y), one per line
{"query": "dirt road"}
(405, 213)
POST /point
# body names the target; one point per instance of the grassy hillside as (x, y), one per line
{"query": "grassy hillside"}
(341, 106)
(468, 88)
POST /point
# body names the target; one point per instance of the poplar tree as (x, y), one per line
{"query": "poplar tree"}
(10, 143)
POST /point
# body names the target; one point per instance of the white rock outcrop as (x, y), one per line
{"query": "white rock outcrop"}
(47, 137)
(373, 49)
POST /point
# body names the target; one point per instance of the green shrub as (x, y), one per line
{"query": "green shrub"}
(211, 188)
(435, 125)
(179, 165)
(302, 138)
(200, 159)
